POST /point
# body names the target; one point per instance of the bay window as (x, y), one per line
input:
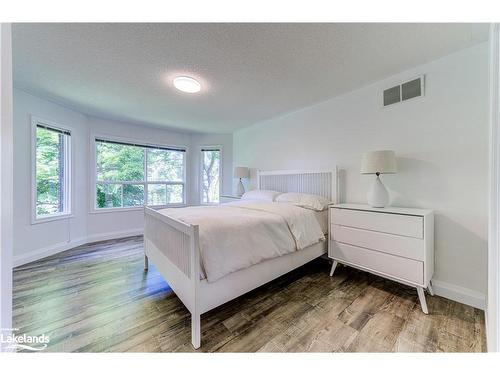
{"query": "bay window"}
(132, 175)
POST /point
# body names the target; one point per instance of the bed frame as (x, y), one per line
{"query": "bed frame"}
(173, 247)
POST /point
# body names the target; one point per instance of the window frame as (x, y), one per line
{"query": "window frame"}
(93, 209)
(200, 174)
(69, 176)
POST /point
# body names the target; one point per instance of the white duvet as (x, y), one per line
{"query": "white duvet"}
(238, 235)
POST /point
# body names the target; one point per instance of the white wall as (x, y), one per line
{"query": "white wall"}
(43, 236)
(35, 241)
(493, 302)
(441, 141)
(6, 180)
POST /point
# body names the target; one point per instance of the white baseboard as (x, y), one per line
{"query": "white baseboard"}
(38, 254)
(19, 260)
(113, 235)
(460, 294)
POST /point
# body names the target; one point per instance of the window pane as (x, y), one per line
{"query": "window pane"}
(210, 176)
(164, 165)
(125, 163)
(50, 158)
(133, 195)
(175, 194)
(117, 162)
(109, 195)
(157, 194)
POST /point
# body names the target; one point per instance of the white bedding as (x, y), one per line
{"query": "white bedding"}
(322, 218)
(240, 234)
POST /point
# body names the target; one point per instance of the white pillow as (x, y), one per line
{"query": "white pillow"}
(313, 202)
(260, 195)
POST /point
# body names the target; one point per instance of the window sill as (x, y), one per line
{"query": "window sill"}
(54, 217)
(126, 209)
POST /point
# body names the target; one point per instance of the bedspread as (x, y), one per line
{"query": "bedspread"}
(240, 234)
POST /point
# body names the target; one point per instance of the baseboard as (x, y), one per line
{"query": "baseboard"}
(38, 254)
(19, 260)
(460, 294)
(114, 235)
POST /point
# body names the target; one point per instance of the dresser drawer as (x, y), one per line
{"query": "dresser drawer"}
(403, 225)
(389, 265)
(408, 247)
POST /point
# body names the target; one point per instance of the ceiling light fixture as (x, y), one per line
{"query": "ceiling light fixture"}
(187, 84)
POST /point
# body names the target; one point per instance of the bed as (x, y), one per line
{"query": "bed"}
(173, 246)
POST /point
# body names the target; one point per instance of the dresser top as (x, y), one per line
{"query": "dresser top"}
(389, 209)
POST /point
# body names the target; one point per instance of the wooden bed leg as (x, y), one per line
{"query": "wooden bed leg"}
(146, 262)
(196, 330)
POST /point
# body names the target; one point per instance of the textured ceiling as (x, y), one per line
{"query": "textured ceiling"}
(249, 72)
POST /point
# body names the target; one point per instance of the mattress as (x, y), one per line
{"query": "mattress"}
(238, 235)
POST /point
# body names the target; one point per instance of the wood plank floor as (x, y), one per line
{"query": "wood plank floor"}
(96, 298)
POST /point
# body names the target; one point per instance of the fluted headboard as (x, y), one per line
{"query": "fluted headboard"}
(323, 183)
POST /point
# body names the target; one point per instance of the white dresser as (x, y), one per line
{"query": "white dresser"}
(393, 242)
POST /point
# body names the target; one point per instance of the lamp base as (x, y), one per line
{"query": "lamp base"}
(241, 189)
(378, 196)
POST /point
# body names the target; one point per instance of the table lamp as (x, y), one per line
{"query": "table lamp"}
(378, 162)
(240, 172)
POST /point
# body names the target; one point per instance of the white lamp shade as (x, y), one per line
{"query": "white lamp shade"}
(240, 172)
(378, 162)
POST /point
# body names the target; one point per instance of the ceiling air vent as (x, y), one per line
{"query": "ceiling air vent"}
(407, 90)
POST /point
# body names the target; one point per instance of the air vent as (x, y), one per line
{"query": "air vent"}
(392, 95)
(411, 89)
(405, 91)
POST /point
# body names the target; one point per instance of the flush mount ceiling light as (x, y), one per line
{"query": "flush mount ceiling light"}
(187, 84)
